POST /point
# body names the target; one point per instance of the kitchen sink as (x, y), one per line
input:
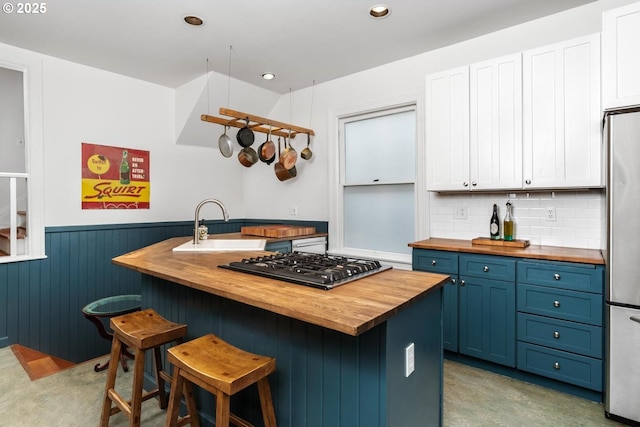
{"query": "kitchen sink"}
(220, 245)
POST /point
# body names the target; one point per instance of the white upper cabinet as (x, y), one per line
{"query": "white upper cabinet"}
(474, 127)
(561, 110)
(496, 124)
(621, 56)
(447, 130)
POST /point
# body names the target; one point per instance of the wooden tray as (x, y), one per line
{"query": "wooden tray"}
(279, 230)
(511, 243)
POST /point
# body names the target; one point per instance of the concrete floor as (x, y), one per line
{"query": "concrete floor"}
(473, 397)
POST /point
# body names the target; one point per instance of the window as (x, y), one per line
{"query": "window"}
(376, 174)
(22, 185)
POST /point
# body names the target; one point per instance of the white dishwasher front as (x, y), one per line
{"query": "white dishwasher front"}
(314, 245)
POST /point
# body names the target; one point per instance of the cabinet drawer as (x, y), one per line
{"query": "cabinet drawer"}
(559, 365)
(561, 334)
(562, 304)
(435, 261)
(490, 267)
(579, 277)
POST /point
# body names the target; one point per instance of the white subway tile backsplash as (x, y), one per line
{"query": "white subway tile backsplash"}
(580, 216)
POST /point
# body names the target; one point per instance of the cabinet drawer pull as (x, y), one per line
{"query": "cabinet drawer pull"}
(556, 276)
(556, 303)
(556, 334)
(462, 283)
(556, 366)
(485, 269)
(433, 262)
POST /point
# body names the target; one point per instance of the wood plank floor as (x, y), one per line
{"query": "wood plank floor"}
(39, 365)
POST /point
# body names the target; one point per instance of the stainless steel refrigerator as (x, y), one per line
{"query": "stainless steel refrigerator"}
(622, 135)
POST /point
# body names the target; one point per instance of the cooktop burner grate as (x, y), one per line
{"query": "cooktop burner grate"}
(316, 270)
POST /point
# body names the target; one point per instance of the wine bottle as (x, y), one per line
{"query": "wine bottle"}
(494, 225)
(508, 223)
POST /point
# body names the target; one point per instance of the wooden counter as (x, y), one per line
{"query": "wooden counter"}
(351, 309)
(552, 253)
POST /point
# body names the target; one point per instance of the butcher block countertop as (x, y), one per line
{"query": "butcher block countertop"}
(551, 253)
(352, 308)
(268, 239)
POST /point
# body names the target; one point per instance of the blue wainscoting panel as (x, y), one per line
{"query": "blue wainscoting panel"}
(41, 300)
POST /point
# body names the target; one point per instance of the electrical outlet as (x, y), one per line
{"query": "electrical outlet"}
(293, 210)
(460, 213)
(409, 360)
(550, 214)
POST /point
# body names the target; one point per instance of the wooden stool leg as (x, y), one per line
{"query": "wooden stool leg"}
(223, 407)
(116, 345)
(174, 399)
(157, 364)
(191, 404)
(266, 403)
(136, 391)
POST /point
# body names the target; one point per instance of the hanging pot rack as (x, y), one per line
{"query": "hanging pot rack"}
(256, 123)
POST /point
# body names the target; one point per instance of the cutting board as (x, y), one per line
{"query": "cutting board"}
(278, 230)
(489, 242)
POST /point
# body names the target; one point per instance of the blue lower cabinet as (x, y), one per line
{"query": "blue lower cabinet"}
(487, 319)
(444, 263)
(561, 365)
(450, 315)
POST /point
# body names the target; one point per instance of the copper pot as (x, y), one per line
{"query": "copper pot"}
(248, 157)
(281, 171)
(267, 151)
(289, 155)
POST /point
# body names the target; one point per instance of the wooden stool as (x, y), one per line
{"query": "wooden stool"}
(140, 331)
(222, 370)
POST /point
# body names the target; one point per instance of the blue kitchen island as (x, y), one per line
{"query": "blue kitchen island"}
(340, 353)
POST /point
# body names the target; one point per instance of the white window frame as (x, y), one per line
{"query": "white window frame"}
(336, 178)
(31, 67)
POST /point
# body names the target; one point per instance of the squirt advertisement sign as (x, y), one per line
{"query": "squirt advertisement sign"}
(115, 177)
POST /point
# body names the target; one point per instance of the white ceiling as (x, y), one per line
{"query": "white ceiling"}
(300, 40)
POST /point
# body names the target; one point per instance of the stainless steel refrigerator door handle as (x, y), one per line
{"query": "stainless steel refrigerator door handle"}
(635, 319)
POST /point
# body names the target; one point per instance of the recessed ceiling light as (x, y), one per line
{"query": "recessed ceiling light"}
(379, 11)
(193, 20)
(268, 76)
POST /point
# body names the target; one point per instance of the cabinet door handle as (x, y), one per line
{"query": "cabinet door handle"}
(528, 182)
(466, 184)
(485, 269)
(556, 303)
(433, 262)
(462, 283)
(556, 366)
(556, 334)
(474, 183)
(556, 276)
(453, 282)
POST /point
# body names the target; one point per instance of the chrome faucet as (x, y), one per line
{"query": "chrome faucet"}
(197, 216)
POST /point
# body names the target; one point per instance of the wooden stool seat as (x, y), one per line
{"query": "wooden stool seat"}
(223, 370)
(140, 331)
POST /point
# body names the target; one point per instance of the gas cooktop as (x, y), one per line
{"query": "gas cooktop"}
(303, 268)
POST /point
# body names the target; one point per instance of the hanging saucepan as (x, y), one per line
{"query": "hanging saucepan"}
(307, 153)
(225, 144)
(283, 173)
(289, 155)
(267, 151)
(245, 136)
(248, 157)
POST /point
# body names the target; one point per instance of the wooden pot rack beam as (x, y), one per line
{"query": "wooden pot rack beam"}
(256, 123)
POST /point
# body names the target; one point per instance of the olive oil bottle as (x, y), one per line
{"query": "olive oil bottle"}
(508, 223)
(494, 224)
